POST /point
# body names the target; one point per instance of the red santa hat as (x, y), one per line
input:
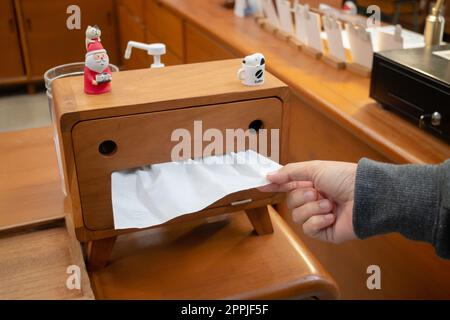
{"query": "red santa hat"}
(95, 47)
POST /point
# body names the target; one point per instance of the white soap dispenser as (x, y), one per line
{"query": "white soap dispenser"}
(154, 49)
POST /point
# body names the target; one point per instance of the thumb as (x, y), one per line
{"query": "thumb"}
(300, 171)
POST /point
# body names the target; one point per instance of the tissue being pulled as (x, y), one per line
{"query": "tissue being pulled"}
(155, 194)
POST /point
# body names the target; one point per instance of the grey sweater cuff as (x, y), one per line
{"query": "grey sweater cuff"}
(413, 200)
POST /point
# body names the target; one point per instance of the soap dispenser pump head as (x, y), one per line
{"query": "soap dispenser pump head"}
(157, 50)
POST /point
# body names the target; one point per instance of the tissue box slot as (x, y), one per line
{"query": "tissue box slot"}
(105, 145)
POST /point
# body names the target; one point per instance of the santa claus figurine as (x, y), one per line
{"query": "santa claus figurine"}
(97, 76)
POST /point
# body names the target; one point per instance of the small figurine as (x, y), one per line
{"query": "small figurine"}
(97, 76)
(252, 71)
(92, 34)
(350, 8)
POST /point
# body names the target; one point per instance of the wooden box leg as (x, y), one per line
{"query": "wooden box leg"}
(260, 219)
(99, 252)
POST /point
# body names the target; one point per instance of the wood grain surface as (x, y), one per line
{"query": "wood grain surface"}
(30, 188)
(36, 248)
(222, 259)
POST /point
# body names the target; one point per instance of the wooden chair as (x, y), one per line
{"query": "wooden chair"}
(221, 259)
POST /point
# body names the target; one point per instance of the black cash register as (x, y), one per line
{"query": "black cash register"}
(416, 84)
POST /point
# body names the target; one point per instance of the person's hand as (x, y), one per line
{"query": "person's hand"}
(94, 82)
(320, 197)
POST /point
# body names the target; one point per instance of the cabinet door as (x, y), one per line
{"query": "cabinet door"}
(170, 58)
(165, 25)
(134, 7)
(200, 47)
(131, 28)
(51, 43)
(10, 56)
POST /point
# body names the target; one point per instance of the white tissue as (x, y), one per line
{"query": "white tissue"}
(155, 194)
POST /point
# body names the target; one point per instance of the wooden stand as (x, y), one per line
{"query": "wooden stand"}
(258, 18)
(260, 220)
(312, 52)
(260, 21)
(282, 35)
(359, 69)
(98, 253)
(332, 61)
(295, 43)
(266, 25)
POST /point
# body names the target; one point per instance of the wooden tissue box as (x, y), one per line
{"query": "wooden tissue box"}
(131, 126)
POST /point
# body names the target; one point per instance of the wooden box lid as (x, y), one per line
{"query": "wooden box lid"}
(150, 90)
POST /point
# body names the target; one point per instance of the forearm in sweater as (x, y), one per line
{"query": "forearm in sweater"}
(413, 200)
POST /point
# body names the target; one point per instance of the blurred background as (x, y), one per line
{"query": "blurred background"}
(36, 40)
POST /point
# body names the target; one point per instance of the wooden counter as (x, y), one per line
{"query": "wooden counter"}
(332, 117)
(29, 171)
(340, 95)
(36, 247)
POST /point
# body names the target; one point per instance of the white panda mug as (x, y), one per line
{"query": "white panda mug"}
(251, 75)
(253, 69)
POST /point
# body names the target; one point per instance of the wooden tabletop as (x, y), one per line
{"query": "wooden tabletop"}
(149, 90)
(30, 187)
(35, 246)
(222, 259)
(339, 94)
(34, 264)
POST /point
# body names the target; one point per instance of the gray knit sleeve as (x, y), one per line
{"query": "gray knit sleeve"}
(413, 200)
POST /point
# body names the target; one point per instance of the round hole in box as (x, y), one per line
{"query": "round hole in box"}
(107, 147)
(256, 125)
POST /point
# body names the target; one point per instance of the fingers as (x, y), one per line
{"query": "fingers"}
(299, 197)
(301, 171)
(292, 176)
(314, 225)
(286, 187)
(321, 207)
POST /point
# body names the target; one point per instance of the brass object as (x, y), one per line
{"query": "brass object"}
(434, 26)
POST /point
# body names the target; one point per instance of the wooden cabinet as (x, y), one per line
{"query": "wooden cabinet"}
(148, 21)
(131, 27)
(135, 8)
(11, 67)
(201, 47)
(170, 58)
(48, 40)
(165, 25)
(313, 135)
